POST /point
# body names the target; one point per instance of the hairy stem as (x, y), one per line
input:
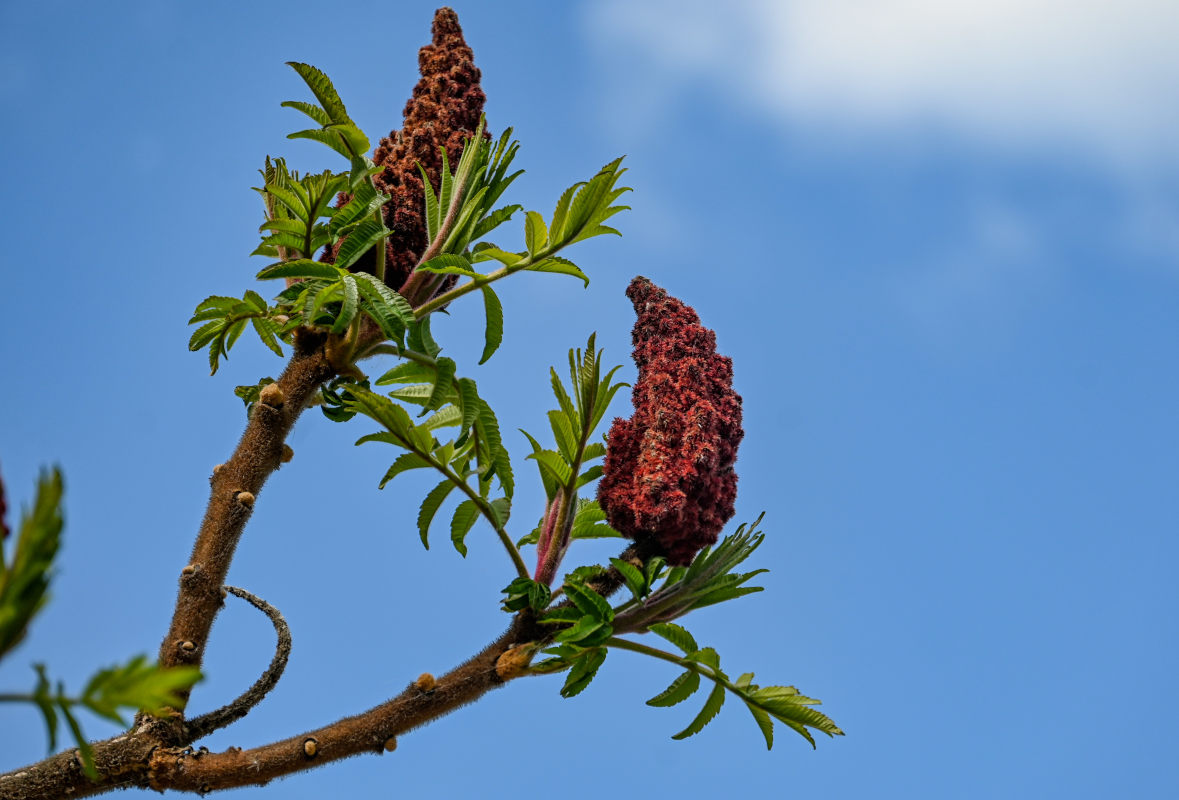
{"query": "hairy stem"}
(235, 484)
(471, 285)
(139, 759)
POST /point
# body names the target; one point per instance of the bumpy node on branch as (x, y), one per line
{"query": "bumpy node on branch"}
(669, 479)
(443, 111)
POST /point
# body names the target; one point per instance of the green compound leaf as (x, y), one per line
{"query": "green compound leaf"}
(494, 334)
(359, 242)
(460, 525)
(680, 690)
(560, 266)
(526, 593)
(348, 309)
(712, 707)
(404, 463)
(633, 577)
(582, 630)
(536, 235)
(266, 329)
(24, 581)
(315, 112)
(300, 268)
(443, 384)
(676, 635)
(552, 465)
(583, 672)
(589, 602)
(325, 93)
(430, 507)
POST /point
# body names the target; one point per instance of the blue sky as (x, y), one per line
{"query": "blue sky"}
(939, 241)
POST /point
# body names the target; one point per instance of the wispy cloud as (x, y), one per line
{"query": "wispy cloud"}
(980, 285)
(1093, 77)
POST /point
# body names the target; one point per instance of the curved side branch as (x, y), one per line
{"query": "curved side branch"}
(226, 715)
(139, 759)
(374, 731)
(377, 729)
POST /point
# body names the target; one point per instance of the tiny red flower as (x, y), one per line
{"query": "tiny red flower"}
(669, 478)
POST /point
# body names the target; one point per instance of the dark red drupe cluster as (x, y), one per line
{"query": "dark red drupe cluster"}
(444, 110)
(669, 478)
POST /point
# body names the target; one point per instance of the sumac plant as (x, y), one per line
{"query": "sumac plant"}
(358, 262)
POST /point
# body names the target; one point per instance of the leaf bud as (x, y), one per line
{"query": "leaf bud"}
(310, 747)
(246, 499)
(512, 663)
(287, 454)
(271, 395)
(425, 683)
(391, 744)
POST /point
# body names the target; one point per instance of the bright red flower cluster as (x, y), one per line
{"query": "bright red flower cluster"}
(443, 111)
(669, 478)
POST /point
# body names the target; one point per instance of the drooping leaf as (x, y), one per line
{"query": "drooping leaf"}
(404, 463)
(460, 525)
(348, 309)
(583, 672)
(443, 383)
(560, 266)
(712, 707)
(494, 332)
(421, 340)
(266, 330)
(680, 690)
(676, 635)
(430, 507)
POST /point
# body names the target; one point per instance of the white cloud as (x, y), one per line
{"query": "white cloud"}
(1099, 78)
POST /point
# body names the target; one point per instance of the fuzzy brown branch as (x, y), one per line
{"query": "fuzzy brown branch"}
(139, 759)
(235, 486)
(374, 731)
(207, 723)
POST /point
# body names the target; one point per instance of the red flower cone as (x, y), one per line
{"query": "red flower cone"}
(669, 479)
